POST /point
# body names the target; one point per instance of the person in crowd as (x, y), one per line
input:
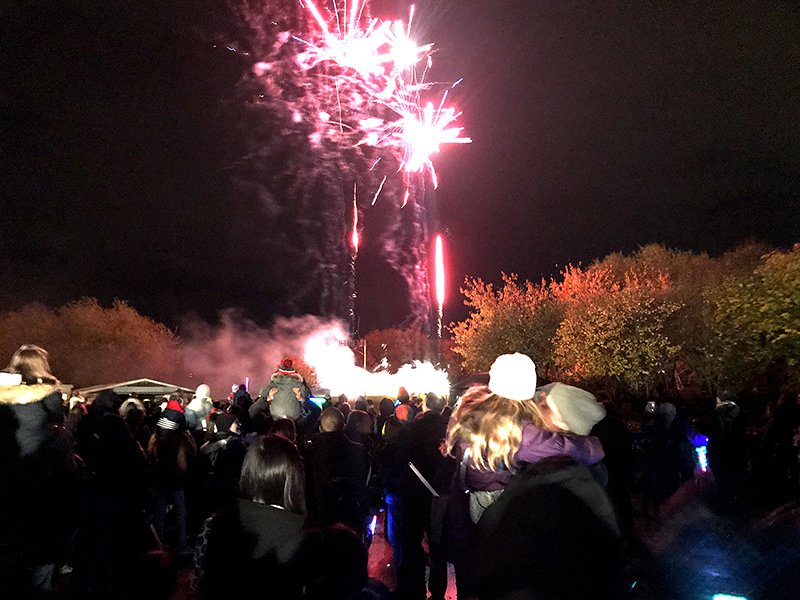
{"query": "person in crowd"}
(170, 449)
(287, 428)
(225, 453)
(343, 573)
(37, 465)
(241, 397)
(74, 416)
(308, 425)
(111, 530)
(403, 397)
(617, 442)
(780, 447)
(285, 392)
(666, 437)
(727, 448)
(345, 410)
(197, 412)
(416, 405)
(386, 412)
(75, 398)
(361, 404)
(260, 543)
(134, 414)
(337, 475)
(424, 475)
(29, 365)
(493, 429)
(552, 534)
(571, 410)
(391, 479)
(359, 429)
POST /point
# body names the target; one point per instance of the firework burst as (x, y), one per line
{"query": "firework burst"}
(370, 70)
(357, 88)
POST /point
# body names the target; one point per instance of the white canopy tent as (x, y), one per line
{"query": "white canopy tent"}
(141, 387)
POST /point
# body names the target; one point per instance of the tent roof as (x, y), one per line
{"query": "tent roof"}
(147, 387)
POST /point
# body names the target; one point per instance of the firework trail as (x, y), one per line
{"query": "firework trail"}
(355, 85)
(354, 240)
(440, 280)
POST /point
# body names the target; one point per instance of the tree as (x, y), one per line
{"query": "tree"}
(90, 344)
(756, 321)
(614, 330)
(398, 347)
(690, 276)
(515, 318)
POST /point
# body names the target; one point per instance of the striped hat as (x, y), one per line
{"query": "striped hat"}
(172, 417)
(286, 367)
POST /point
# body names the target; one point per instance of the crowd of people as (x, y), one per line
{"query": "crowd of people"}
(525, 489)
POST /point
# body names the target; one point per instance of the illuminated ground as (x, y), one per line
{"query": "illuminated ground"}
(694, 551)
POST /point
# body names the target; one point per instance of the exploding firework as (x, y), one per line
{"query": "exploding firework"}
(356, 86)
(375, 64)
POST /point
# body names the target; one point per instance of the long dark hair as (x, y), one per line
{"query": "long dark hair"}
(31, 362)
(272, 473)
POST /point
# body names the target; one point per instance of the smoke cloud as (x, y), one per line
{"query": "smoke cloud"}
(225, 354)
(236, 348)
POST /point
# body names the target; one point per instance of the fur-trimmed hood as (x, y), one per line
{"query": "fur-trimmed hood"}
(25, 394)
(31, 410)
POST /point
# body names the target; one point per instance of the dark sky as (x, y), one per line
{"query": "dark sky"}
(597, 127)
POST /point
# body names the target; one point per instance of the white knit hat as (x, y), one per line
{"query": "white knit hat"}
(513, 376)
(578, 409)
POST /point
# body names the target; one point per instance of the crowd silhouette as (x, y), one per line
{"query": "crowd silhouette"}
(526, 490)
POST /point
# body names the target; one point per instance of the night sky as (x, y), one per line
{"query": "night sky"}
(597, 127)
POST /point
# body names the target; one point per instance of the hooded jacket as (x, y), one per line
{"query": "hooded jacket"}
(258, 547)
(37, 467)
(285, 403)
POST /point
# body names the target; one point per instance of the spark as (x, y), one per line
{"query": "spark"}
(380, 187)
(424, 134)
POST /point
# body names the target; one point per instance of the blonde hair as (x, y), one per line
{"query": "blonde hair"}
(491, 425)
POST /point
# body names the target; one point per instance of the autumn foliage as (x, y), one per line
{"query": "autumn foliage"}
(653, 319)
(90, 344)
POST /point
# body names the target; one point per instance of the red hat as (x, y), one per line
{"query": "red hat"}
(286, 367)
(172, 417)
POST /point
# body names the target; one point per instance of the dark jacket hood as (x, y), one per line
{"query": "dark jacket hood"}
(30, 411)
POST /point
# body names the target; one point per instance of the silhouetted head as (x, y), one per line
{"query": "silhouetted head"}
(272, 473)
(31, 362)
(332, 420)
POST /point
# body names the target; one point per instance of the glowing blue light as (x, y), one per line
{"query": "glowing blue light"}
(373, 524)
(727, 597)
